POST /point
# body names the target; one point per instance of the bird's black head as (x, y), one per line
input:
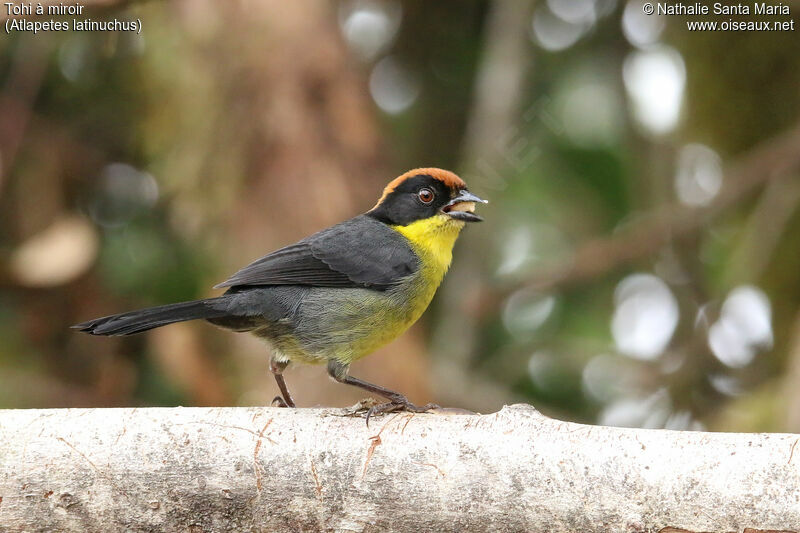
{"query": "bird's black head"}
(424, 193)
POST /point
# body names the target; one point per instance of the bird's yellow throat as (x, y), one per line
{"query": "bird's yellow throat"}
(433, 239)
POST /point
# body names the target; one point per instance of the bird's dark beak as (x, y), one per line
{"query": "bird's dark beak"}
(462, 207)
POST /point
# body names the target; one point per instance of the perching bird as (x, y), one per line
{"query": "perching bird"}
(341, 293)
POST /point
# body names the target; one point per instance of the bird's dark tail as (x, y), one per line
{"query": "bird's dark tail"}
(154, 317)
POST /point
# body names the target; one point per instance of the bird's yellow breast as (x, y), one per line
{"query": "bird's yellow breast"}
(432, 239)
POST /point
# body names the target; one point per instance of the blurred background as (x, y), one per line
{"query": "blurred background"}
(640, 260)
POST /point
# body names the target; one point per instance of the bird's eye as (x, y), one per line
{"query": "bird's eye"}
(425, 195)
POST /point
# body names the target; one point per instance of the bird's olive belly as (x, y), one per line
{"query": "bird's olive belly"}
(342, 324)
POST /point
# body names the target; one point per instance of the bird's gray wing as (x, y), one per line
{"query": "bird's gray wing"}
(361, 252)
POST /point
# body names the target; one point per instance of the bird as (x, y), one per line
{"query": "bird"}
(341, 293)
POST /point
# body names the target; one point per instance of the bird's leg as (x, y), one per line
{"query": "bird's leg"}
(397, 401)
(277, 368)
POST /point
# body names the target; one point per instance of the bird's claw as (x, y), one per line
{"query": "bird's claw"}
(278, 401)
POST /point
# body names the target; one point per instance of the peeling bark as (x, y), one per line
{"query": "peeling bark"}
(269, 469)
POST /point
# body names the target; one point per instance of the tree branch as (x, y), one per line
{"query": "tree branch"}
(269, 469)
(776, 158)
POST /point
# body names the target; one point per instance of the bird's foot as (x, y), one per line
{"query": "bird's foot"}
(278, 401)
(399, 403)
